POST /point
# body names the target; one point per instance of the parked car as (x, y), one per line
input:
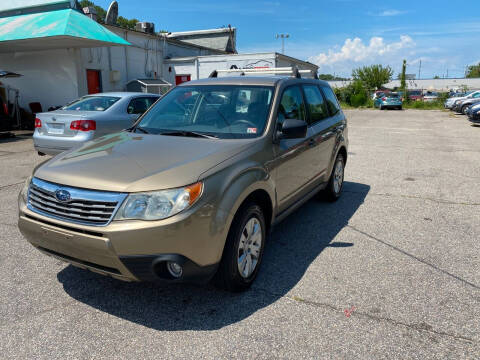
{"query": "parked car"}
(474, 114)
(462, 104)
(430, 96)
(415, 95)
(389, 101)
(87, 118)
(452, 98)
(456, 101)
(192, 189)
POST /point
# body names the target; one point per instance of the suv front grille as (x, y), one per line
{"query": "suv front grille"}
(89, 207)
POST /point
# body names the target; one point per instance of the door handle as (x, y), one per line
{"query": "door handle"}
(312, 142)
(327, 135)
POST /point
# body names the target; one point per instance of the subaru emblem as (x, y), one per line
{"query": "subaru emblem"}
(62, 195)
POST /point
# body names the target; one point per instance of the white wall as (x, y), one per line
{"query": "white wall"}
(425, 84)
(49, 77)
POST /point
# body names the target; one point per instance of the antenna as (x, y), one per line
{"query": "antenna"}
(112, 14)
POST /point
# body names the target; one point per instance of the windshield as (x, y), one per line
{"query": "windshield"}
(393, 95)
(223, 111)
(415, 93)
(92, 103)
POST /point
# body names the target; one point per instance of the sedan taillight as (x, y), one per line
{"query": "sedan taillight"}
(38, 123)
(83, 125)
(384, 99)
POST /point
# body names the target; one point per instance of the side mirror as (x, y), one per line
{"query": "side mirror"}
(293, 129)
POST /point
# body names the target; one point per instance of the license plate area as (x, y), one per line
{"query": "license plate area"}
(55, 128)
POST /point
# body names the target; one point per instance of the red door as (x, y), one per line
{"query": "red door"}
(93, 81)
(181, 79)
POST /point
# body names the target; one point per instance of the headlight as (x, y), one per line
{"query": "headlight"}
(24, 192)
(159, 205)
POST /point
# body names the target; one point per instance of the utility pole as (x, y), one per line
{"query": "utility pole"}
(283, 37)
(419, 69)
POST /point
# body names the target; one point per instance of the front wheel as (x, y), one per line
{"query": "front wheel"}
(243, 250)
(335, 183)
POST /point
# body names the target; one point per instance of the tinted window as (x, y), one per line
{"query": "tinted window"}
(315, 103)
(92, 103)
(226, 111)
(291, 106)
(140, 105)
(332, 102)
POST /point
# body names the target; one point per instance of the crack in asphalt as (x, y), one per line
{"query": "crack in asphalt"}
(456, 277)
(418, 327)
(14, 184)
(438, 201)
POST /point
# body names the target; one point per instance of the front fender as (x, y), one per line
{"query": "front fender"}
(232, 186)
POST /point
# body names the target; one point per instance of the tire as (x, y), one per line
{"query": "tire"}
(228, 276)
(464, 109)
(333, 192)
(400, 108)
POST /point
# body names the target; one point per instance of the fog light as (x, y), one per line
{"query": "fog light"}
(174, 269)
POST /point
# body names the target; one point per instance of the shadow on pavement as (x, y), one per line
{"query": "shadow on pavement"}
(294, 245)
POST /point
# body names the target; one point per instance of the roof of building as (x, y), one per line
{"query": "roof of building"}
(201, 32)
(221, 39)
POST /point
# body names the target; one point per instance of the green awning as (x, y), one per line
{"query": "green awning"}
(65, 28)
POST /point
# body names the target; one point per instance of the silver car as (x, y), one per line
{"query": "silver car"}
(86, 118)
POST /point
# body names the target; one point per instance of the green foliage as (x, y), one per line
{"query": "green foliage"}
(126, 23)
(473, 71)
(330, 77)
(403, 77)
(102, 13)
(373, 76)
(354, 94)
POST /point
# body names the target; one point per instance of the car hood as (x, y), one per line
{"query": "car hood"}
(129, 162)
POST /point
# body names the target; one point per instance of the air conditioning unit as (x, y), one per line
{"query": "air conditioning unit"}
(145, 27)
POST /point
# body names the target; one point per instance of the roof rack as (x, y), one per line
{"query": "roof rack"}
(292, 71)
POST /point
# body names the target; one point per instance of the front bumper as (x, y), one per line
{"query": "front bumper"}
(132, 250)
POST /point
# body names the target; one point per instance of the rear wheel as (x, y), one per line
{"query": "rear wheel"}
(335, 184)
(243, 250)
(464, 109)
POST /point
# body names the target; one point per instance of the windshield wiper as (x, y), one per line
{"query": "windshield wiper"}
(141, 129)
(188, 133)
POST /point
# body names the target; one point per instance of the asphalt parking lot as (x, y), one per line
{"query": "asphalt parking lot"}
(392, 270)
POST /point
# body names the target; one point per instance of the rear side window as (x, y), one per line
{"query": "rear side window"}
(140, 105)
(315, 103)
(332, 102)
(292, 105)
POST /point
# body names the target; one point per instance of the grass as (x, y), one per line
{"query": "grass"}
(421, 105)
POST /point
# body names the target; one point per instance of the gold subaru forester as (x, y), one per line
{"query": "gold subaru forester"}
(191, 190)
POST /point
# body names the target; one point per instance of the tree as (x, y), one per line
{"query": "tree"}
(403, 79)
(126, 23)
(373, 76)
(473, 71)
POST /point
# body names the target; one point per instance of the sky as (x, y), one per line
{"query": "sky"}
(337, 35)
